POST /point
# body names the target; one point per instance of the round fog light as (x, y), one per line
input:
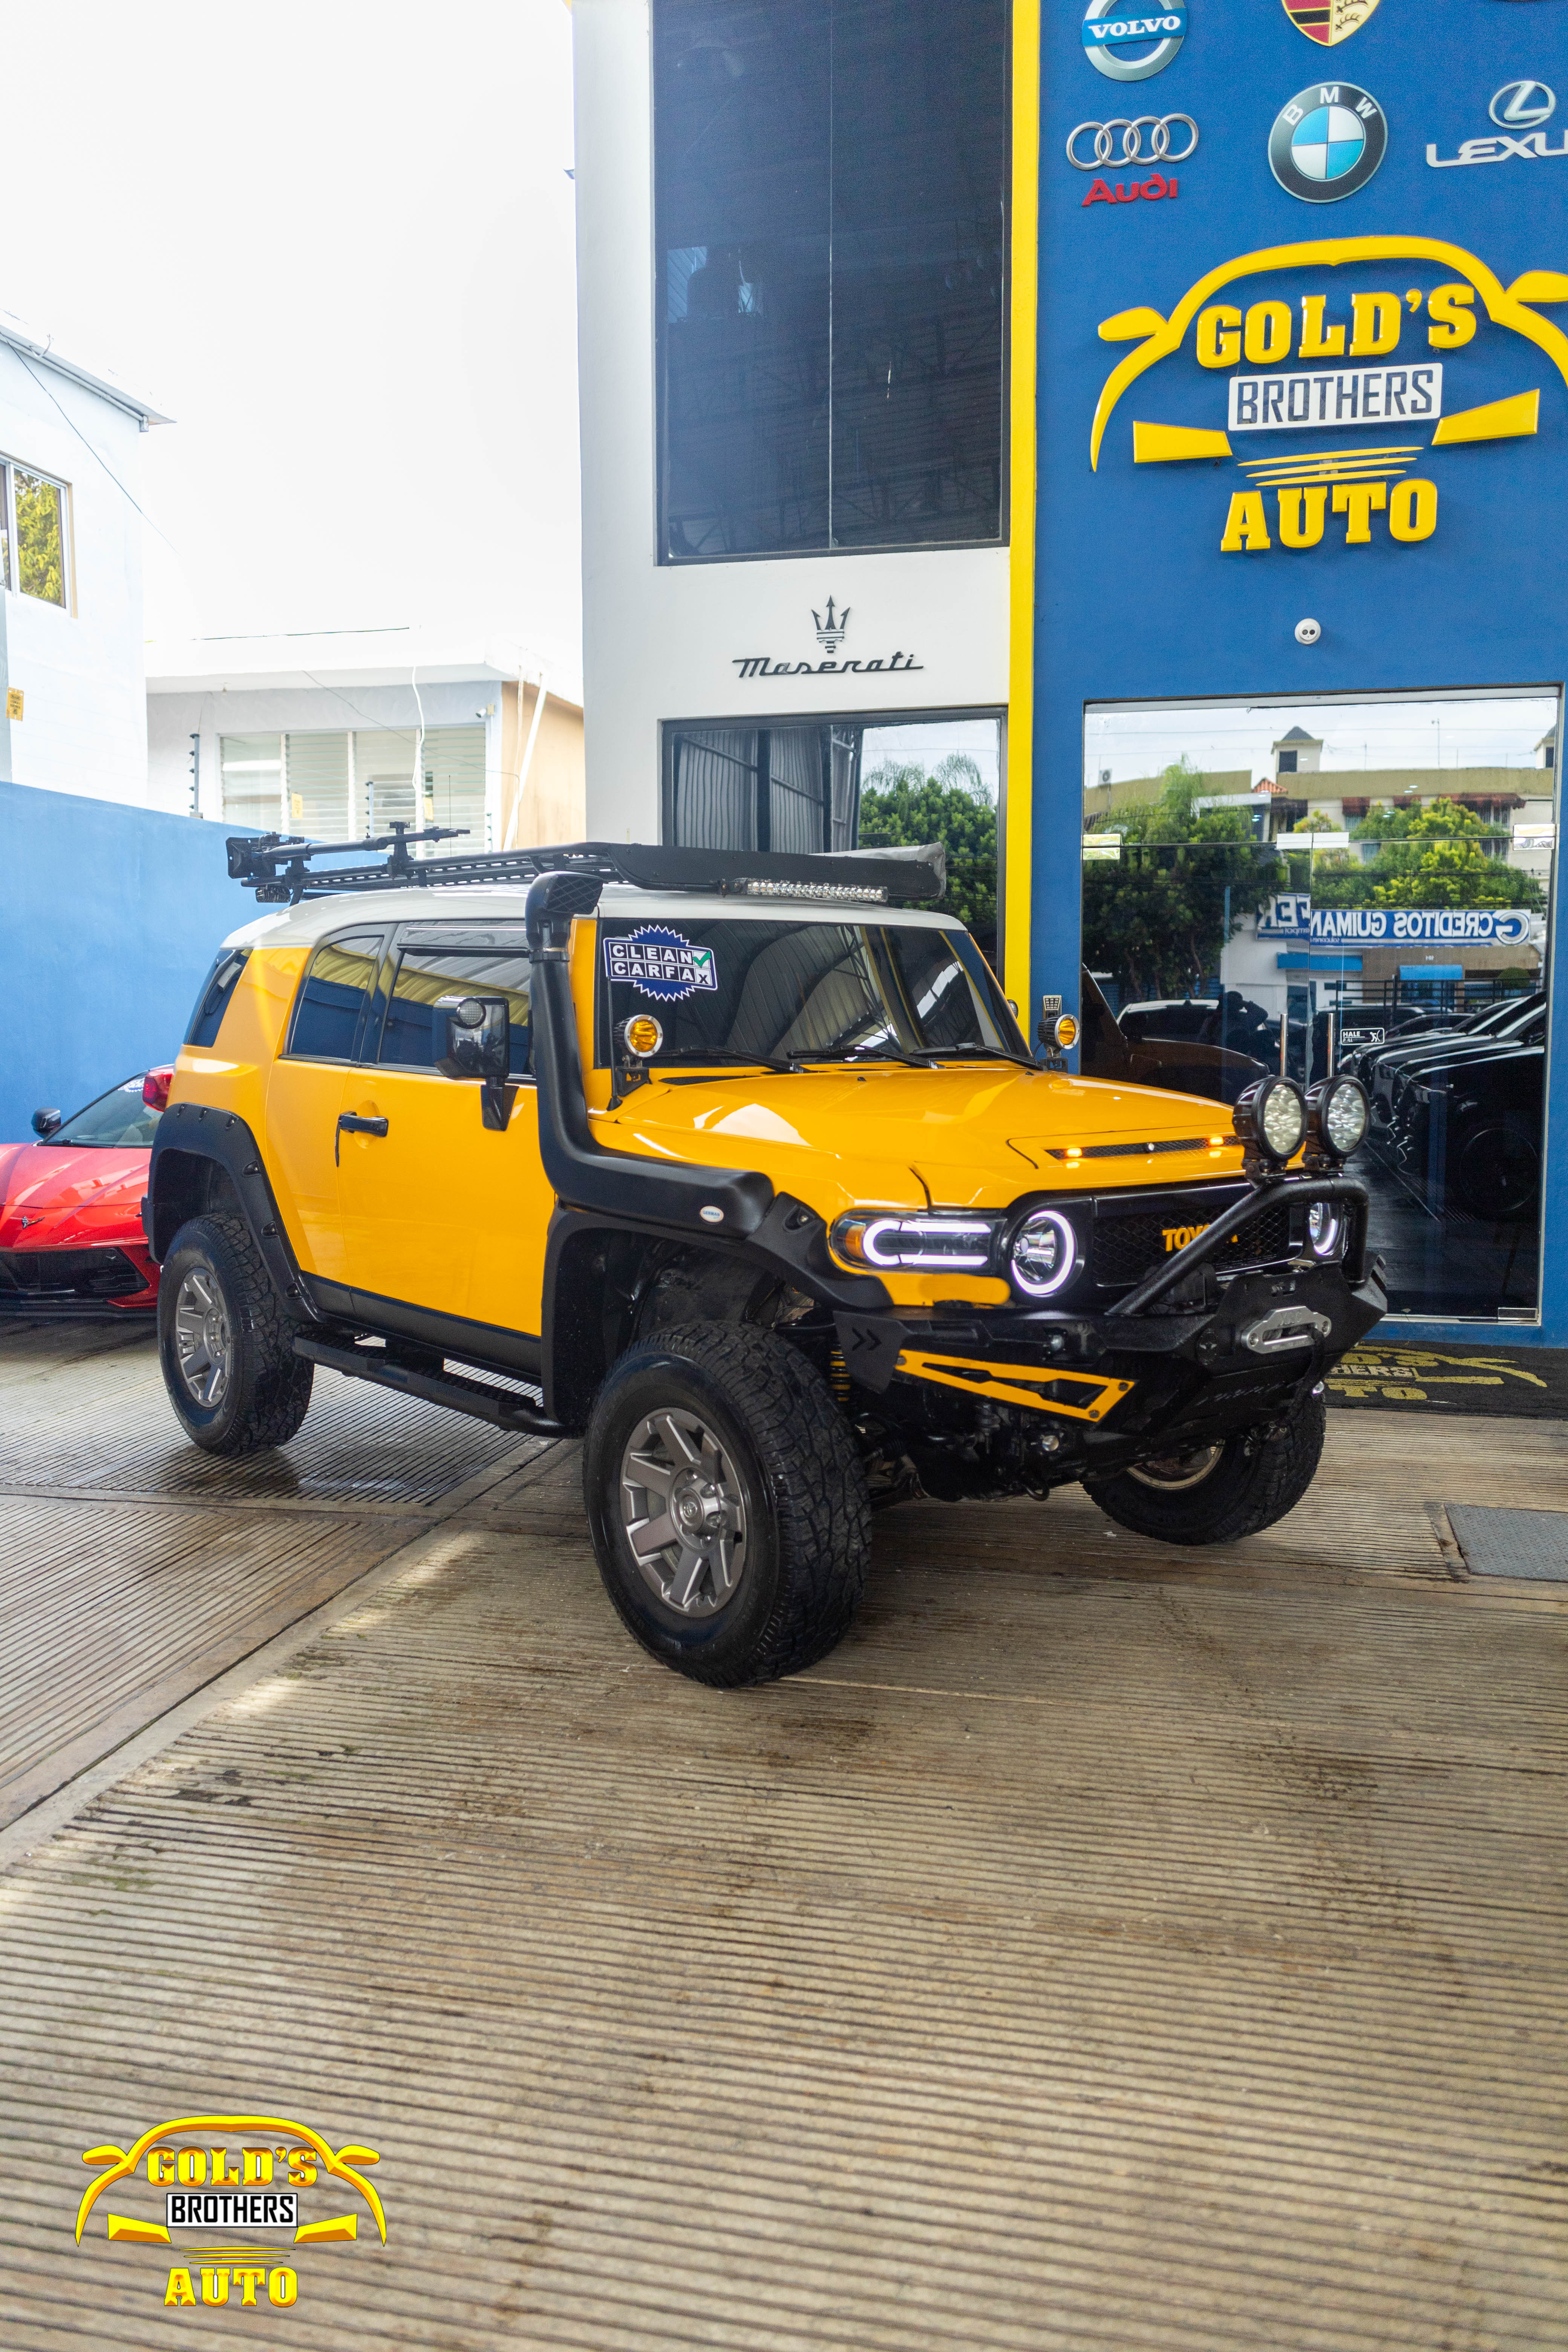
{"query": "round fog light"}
(1044, 1253)
(1339, 1114)
(1272, 1115)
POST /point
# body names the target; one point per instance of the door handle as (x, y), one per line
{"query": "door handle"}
(350, 1123)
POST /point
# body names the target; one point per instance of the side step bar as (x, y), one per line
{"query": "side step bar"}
(474, 1397)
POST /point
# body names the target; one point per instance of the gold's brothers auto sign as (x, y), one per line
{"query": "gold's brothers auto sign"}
(1375, 363)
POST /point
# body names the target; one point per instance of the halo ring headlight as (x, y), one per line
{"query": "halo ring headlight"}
(1044, 1255)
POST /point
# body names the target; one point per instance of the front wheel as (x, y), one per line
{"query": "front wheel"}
(727, 1503)
(1217, 1494)
(226, 1345)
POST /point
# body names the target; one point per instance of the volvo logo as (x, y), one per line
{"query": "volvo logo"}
(1116, 39)
(1327, 143)
(1521, 105)
(1104, 134)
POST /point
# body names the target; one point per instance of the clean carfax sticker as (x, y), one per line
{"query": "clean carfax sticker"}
(660, 962)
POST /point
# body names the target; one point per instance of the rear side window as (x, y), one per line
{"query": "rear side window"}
(340, 983)
(212, 1002)
(432, 980)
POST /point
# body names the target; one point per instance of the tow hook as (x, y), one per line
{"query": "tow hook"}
(1285, 1328)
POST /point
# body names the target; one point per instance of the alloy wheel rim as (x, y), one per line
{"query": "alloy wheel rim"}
(203, 1341)
(683, 1511)
(1173, 1474)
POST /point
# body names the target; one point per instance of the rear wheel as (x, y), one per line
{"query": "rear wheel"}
(1496, 1172)
(226, 1345)
(1217, 1494)
(727, 1503)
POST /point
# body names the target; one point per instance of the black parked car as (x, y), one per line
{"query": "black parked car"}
(1467, 1125)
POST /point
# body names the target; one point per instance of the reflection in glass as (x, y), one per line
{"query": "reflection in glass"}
(830, 186)
(40, 536)
(1366, 888)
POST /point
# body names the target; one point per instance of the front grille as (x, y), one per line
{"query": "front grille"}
(68, 1274)
(1127, 1248)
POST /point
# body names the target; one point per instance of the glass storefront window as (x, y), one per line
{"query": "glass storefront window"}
(1357, 884)
(851, 782)
(830, 186)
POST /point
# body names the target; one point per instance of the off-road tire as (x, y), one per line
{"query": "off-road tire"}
(1256, 1481)
(267, 1390)
(809, 1515)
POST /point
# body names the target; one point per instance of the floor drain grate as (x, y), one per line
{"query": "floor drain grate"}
(1511, 1543)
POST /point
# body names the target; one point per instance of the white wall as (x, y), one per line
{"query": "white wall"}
(80, 673)
(662, 641)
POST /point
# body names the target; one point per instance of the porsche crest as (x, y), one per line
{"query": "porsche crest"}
(1329, 21)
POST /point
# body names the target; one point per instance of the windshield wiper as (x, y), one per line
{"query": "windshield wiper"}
(921, 1057)
(746, 1061)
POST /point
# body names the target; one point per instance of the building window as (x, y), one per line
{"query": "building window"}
(847, 783)
(32, 524)
(334, 785)
(830, 220)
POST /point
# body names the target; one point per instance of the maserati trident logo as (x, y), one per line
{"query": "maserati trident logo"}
(830, 628)
(830, 633)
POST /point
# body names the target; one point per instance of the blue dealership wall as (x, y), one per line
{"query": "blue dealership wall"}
(1135, 598)
(108, 917)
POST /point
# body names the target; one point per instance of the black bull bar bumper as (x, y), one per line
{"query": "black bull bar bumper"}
(1159, 1362)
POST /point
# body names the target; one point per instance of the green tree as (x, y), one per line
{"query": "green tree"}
(1427, 856)
(902, 804)
(40, 546)
(1157, 915)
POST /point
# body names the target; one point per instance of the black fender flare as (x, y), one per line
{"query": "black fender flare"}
(195, 1131)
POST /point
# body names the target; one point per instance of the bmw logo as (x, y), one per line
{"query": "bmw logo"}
(1327, 143)
(1130, 44)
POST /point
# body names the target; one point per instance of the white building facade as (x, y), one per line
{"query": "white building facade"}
(346, 733)
(793, 461)
(72, 715)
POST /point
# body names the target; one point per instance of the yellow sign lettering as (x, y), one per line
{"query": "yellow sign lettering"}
(1268, 330)
(161, 2167)
(1246, 526)
(1219, 336)
(179, 2289)
(1412, 510)
(247, 2281)
(190, 2168)
(215, 2286)
(1452, 310)
(1319, 343)
(283, 2287)
(1375, 325)
(257, 2164)
(1301, 516)
(1359, 501)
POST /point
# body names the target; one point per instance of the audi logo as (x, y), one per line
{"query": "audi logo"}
(1159, 149)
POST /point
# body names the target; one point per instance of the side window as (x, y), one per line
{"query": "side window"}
(432, 979)
(339, 985)
(212, 1002)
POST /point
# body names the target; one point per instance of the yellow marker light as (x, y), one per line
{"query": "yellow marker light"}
(1066, 1031)
(1074, 1151)
(643, 1035)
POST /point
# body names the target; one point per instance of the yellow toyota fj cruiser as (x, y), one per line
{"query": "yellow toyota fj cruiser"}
(738, 1167)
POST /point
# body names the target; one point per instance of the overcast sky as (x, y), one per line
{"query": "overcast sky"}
(335, 243)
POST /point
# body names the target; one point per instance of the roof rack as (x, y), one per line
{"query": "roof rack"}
(281, 868)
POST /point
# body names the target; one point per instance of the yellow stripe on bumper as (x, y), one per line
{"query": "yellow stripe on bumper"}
(1025, 1384)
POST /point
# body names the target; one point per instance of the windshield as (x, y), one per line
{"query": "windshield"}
(756, 990)
(121, 1116)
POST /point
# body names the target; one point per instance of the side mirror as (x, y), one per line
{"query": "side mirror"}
(478, 1041)
(44, 1123)
(156, 1087)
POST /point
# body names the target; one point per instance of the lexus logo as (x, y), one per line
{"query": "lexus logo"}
(1104, 136)
(1521, 105)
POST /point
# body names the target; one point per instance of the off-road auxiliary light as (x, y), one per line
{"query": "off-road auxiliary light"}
(915, 1245)
(1271, 1120)
(1044, 1253)
(1336, 1116)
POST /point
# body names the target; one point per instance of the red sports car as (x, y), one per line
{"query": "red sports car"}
(71, 1206)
